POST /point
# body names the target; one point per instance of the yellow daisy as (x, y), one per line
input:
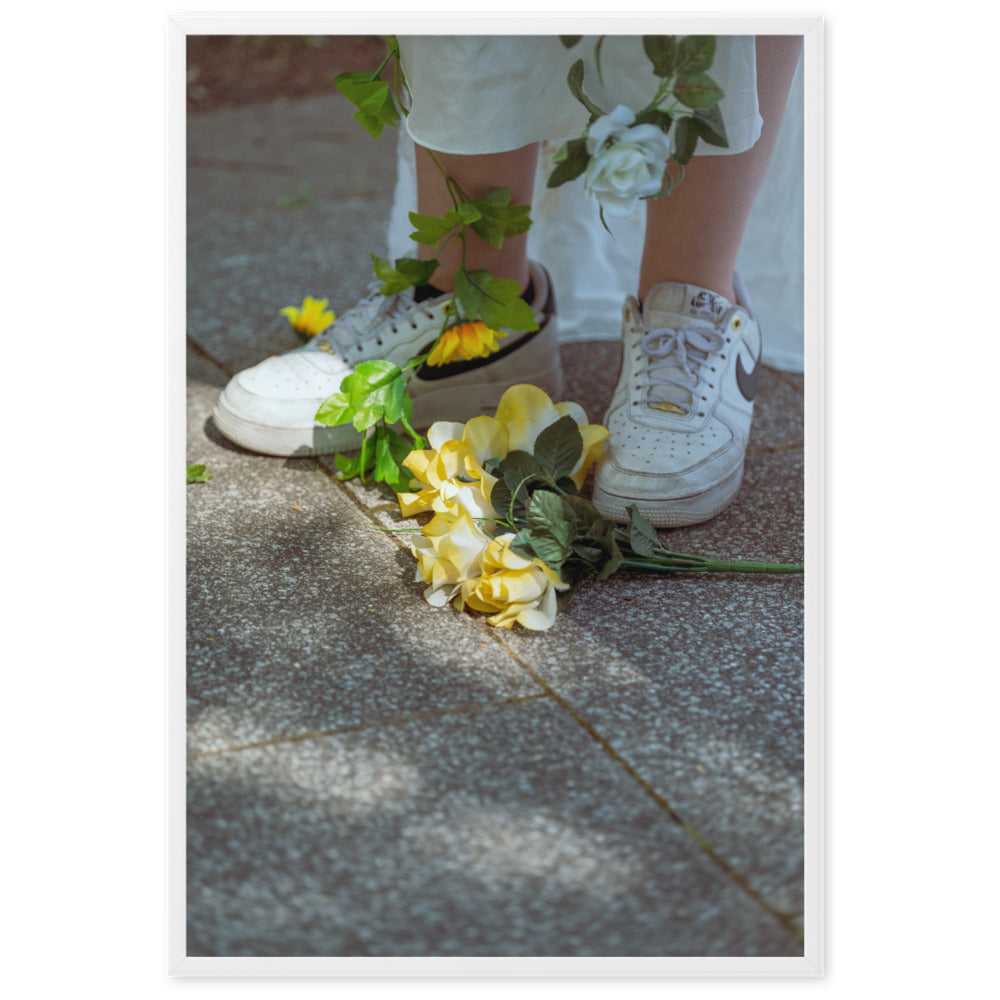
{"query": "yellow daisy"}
(312, 318)
(465, 341)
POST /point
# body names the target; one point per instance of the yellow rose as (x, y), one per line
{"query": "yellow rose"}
(450, 472)
(451, 475)
(526, 411)
(449, 551)
(512, 589)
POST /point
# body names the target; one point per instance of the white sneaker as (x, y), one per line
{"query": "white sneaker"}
(270, 408)
(680, 416)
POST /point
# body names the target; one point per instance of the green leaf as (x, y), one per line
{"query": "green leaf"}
(586, 513)
(641, 543)
(654, 116)
(697, 90)
(521, 544)
(662, 53)
(197, 474)
(496, 218)
(685, 141)
(570, 40)
(517, 470)
(335, 410)
(559, 446)
(375, 391)
(575, 80)
(431, 229)
(553, 527)
(391, 449)
(497, 300)
(501, 498)
(406, 273)
(373, 100)
(571, 160)
(641, 534)
(695, 53)
(603, 533)
(707, 123)
(360, 465)
(588, 553)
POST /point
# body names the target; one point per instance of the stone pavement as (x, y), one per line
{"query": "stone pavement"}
(368, 776)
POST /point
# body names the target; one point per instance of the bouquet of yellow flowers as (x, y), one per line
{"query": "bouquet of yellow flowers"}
(510, 535)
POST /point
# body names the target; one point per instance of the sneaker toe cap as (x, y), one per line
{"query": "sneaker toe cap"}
(652, 475)
(287, 388)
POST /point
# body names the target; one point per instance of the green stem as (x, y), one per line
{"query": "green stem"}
(692, 564)
(382, 65)
(418, 440)
(412, 363)
(364, 456)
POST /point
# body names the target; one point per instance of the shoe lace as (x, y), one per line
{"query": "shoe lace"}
(368, 319)
(675, 359)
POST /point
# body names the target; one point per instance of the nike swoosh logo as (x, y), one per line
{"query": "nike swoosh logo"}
(747, 380)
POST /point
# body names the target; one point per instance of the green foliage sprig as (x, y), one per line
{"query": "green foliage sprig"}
(197, 474)
(375, 397)
(536, 498)
(685, 106)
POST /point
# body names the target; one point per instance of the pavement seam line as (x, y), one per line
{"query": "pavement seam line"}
(774, 448)
(203, 355)
(692, 832)
(397, 720)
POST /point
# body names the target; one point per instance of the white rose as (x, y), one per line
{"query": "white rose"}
(627, 163)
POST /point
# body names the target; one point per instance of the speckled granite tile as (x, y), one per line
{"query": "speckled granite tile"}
(251, 249)
(249, 158)
(302, 615)
(503, 832)
(203, 371)
(697, 683)
(698, 680)
(243, 271)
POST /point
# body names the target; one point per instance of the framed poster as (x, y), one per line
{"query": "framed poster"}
(627, 784)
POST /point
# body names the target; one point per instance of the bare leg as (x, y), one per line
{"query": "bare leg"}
(477, 175)
(694, 234)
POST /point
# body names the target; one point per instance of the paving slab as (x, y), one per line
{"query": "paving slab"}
(277, 211)
(697, 684)
(369, 776)
(301, 615)
(422, 839)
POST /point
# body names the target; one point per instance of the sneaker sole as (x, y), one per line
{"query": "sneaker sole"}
(460, 403)
(672, 513)
(282, 442)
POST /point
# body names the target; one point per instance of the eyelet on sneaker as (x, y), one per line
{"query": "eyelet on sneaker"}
(737, 322)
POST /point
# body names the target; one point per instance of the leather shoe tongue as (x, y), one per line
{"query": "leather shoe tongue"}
(666, 302)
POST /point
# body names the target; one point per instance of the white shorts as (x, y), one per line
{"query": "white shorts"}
(493, 93)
